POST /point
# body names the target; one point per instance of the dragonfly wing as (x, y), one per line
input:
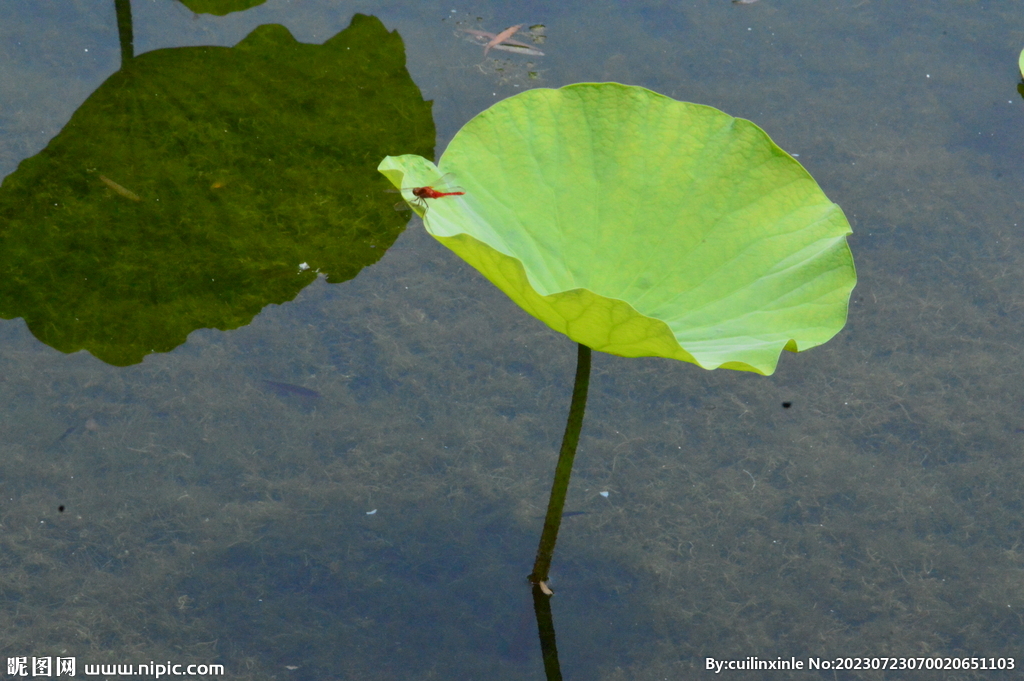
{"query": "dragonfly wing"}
(446, 184)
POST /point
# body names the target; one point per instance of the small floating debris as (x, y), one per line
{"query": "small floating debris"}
(503, 41)
(500, 38)
(604, 494)
(126, 193)
(371, 512)
(288, 389)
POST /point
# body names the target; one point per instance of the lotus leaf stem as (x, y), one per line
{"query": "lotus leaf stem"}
(563, 470)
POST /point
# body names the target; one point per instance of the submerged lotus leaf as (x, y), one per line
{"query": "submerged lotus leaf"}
(220, 7)
(643, 226)
(189, 188)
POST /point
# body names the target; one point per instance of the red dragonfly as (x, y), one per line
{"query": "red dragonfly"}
(439, 189)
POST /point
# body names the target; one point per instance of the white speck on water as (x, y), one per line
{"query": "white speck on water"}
(371, 512)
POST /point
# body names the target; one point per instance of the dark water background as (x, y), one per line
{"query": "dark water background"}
(212, 514)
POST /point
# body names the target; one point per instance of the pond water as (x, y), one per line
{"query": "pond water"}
(352, 484)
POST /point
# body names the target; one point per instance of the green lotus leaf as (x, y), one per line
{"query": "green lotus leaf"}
(643, 226)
